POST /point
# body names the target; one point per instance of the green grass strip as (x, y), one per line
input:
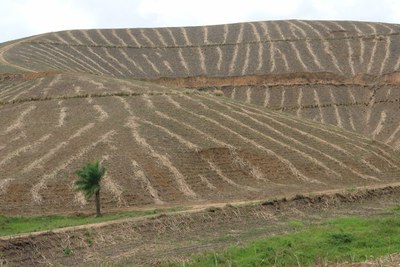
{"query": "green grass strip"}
(340, 240)
(22, 224)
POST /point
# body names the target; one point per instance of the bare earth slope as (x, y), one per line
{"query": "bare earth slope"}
(183, 146)
(251, 61)
(165, 146)
(368, 109)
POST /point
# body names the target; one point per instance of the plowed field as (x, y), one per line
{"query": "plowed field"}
(195, 116)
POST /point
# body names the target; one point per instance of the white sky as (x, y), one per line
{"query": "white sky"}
(21, 18)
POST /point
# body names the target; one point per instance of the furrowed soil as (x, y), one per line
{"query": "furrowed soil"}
(197, 117)
(165, 146)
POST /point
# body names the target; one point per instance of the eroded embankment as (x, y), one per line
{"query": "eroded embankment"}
(147, 240)
(299, 78)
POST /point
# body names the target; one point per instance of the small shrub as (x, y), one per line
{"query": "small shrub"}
(89, 241)
(88, 238)
(67, 251)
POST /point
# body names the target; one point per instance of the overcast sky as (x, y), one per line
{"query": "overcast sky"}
(21, 18)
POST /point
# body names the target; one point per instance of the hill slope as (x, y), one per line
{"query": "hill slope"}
(249, 61)
(368, 109)
(165, 146)
(292, 46)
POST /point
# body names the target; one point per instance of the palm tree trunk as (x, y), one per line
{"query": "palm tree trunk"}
(97, 196)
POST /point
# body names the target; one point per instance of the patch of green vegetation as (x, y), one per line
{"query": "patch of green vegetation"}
(296, 224)
(24, 224)
(395, 208)
(345, 239)
(351, 189)
(88, 238)
(67, 251)
(10, 69)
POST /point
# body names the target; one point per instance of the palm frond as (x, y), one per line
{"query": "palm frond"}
(89, 179)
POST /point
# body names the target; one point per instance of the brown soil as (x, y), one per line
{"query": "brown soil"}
(6, 77)
(222, 150)
(36, 75)
(10, 76)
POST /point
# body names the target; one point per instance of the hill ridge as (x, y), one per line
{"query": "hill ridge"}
(192, 51)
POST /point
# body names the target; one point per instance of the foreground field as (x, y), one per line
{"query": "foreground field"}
(167, 238)
(328, 243)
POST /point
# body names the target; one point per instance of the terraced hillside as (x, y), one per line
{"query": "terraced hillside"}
(121, 96)
(372, 110)
(304, 67)
(165, 146)
(342, 48)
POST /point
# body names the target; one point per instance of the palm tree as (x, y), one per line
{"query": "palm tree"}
(89, 182)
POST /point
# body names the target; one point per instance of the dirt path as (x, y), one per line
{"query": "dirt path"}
(192, 209)
(8, 47)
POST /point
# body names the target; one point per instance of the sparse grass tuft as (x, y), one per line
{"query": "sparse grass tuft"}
(396, 208)
(296, 224)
